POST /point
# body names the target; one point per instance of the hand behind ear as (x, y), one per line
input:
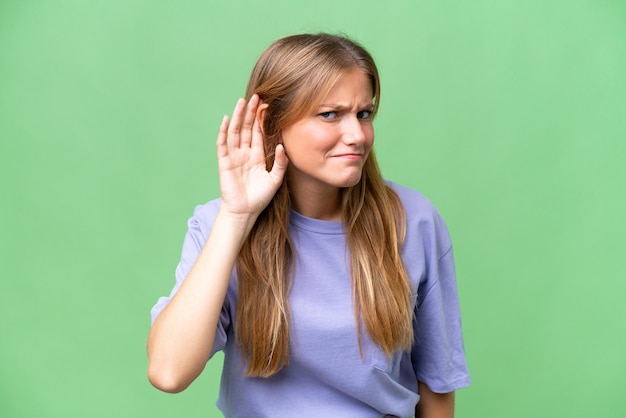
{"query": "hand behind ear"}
(246, 185)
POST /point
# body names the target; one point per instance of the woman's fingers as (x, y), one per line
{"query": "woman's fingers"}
(280, 164)
(246, 186)
(240, 128)
(222, 149)
(234, 129)
(248, 121)
(240, 138)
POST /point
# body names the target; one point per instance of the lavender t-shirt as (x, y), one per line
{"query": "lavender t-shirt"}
(327, 375)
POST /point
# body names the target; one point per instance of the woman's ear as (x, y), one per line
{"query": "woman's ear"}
(260, 115)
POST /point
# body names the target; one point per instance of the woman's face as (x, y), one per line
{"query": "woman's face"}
(328, 148)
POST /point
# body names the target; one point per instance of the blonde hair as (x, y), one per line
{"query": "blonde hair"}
(293, 76)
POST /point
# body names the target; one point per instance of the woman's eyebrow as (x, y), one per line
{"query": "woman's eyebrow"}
(341, 107)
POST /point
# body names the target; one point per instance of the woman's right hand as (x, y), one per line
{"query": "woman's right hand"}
(245, 184)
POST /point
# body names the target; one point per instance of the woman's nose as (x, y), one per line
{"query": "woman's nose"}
(353, 130)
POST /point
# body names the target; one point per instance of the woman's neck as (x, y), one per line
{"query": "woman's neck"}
(322, 203)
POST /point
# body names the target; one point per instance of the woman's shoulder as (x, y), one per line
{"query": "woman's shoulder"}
(414, 202)
(204, 215)
(423, 218)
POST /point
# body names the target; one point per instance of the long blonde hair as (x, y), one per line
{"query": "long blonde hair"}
(293, 76)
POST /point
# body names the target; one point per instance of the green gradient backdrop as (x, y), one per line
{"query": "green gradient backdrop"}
(509, 115)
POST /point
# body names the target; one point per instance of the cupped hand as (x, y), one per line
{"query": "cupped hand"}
(245, 184)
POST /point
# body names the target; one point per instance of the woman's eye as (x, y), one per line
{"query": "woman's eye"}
(328, 115)
(364, 114)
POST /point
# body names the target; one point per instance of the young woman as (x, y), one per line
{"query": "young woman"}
(330, 291)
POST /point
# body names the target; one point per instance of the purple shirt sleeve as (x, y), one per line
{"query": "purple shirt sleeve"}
(198, 229)
(438, 354)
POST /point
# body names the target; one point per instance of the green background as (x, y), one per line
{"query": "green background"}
(509, 115)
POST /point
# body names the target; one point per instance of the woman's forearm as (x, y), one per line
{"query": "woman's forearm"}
(182, 336)
(434, 405)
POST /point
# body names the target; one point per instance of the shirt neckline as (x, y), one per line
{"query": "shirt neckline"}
(315, 225)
